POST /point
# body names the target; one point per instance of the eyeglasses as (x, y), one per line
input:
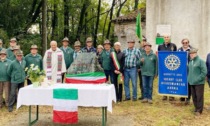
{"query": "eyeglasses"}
(19, 55)
(185, 42)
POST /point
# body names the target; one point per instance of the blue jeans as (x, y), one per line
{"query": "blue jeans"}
(130, 74)
(147, 86)
(109, 73)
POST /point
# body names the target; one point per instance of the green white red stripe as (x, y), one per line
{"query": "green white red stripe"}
(65, 106)
(87, 78)
(115, 61)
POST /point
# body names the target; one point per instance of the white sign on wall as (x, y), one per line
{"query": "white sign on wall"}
(163, 30)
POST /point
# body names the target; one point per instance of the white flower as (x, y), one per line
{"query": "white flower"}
(32, 65)
(36, 66)
(26, 68)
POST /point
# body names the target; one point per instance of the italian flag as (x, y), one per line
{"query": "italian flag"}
(65, 106)
(87, 78)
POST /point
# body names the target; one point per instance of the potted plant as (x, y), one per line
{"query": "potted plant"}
(35, 74)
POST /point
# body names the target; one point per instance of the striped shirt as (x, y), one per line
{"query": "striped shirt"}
(132, 56)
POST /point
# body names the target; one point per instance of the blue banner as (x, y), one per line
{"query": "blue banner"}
(172, 73)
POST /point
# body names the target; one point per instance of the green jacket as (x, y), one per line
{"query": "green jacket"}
(196, 71)
(68, 56)
(17, 71)
(1, 48)
(4, 65)
(10, 54)
(36, 60)
(106, 59)
(149, 66)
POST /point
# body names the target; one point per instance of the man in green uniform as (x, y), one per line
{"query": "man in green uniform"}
(33, 58)
(196, 78)
(68, 53)
(106, 61)
(4, 77)
(14, 50)
(13, 43)
(77, 49)
(16, 72)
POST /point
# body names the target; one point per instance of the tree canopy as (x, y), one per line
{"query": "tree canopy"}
(76, 19)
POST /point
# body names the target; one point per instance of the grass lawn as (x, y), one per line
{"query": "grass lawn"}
(127, 113)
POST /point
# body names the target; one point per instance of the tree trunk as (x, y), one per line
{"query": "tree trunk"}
(104, 26)
(120, 8)
(82, 15)
(66, 18)
(54, 21)
(97, 23)
(136, 2)
(110, 19)
(44, 26)
(34, 16)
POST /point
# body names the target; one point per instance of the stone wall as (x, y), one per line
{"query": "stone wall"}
(127, 31)
(188, 19)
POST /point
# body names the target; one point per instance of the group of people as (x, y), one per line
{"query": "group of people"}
(120, 66)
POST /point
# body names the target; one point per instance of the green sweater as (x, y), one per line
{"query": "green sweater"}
(4, 65)
(149, 66)
(36, 60)
(106, 59)
(17, 71)
(196, 71)
(68, 56)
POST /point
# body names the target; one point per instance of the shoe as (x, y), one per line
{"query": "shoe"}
(197, 113)
(164, 98)
(134, 99)
(144, 101)
(127, 99)
(119, 100)
(171, 99)
(150, 102)
(182, 99)
(187, 102)
(10, 109)
(140, 98)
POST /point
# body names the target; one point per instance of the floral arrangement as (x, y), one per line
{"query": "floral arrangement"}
(35, 74)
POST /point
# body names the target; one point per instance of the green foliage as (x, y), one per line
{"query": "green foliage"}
(28, 40)
(4, 37)
(19, 14)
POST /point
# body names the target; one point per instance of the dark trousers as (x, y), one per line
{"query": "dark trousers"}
(63, 75)
(198, 97)
(29, 82)
(118, 87)
(141, 84)
(13, 96)
(109, 73)
(189, 94)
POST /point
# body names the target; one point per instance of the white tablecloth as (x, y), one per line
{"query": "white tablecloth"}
(89, 95)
